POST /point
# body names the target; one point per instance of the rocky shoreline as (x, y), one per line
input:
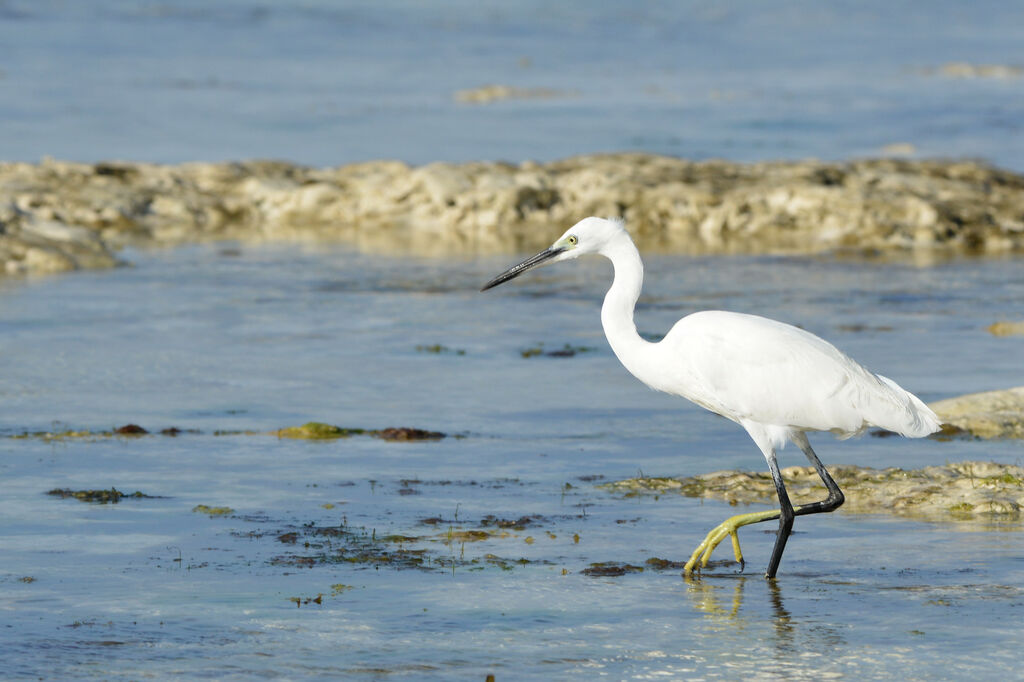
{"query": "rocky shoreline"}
(992, 414)
(954, 492)
(58, 215)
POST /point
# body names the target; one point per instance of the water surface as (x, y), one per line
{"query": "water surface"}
(324, 83)
(226, 338)
(357, 558)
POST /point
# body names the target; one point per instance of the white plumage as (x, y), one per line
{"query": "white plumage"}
(753, 369)
(774, 379)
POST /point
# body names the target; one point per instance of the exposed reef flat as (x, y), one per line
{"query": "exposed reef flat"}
(961, 491)
(59, 215)
(992, 414)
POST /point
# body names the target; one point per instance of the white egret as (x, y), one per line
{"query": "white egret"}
(771, 378)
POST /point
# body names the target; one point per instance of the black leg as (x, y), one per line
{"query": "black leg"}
(835, 497)
(786, 514)
(834, 500)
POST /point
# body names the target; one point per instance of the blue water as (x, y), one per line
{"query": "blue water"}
(215, 339)
(327, 83)
(228, 338)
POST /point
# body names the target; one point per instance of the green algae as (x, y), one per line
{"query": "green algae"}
(1005, 479)
(566, 351)
(100, 496)
(66, 434)
(312, 545)
(322, 431)
(965, 490)
(316, 431)
(453, 536)
(610, 569)
(301, 601)
(518, 524)
(406, 434)
(659, 564)
(504, 564)
(343, 544)
(439, 349)
(212, 511)
(307, 431)
(128, 430)
(961, 509)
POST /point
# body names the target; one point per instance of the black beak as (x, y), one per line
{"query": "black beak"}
(517, 270)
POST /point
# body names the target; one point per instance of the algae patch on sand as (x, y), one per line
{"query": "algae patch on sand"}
(467, 546)
(322, 431)
(212, 511)
(610, 569)
(405, 433)
(101, 496)
(439, 349)
(316, 431)
(1004, 328)
(128, 431)
(959, 491)
(566, 351)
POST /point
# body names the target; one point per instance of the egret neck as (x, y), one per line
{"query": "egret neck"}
(617, 312)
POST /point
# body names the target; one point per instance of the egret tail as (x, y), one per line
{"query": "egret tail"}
(912, 418)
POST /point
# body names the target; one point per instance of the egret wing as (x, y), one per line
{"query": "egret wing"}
(750, 368)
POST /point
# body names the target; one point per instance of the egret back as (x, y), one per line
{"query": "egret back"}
(753, 369)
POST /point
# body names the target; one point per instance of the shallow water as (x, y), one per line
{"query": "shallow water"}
(227, 338)
(323, 83)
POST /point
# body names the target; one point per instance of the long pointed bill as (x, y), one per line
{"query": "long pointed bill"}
(516, 270)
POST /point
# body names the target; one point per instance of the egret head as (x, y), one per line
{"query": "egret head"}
(589, 235)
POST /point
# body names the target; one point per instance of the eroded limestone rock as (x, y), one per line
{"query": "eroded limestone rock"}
(992, 414)
(60, 215)
(959, 491)
(1004, 328)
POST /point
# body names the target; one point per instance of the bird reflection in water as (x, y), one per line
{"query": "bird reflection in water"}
(715, 601)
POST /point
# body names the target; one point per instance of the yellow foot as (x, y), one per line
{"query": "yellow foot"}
(725, 529)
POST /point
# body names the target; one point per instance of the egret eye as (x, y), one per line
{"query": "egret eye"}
(572, 240)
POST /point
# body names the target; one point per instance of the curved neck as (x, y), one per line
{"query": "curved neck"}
(619, 302)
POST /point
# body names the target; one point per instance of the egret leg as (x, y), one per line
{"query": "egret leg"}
(729, 527)
(835, 497)
(785, 519)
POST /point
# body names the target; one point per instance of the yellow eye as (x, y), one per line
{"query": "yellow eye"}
(572, 240)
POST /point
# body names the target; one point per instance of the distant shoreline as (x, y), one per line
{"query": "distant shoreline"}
(57, 216)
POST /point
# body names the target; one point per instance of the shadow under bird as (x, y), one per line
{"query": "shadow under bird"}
(771, 378)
